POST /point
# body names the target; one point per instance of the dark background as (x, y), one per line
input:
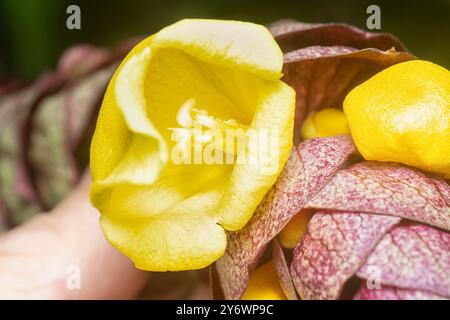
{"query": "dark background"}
(34, 33)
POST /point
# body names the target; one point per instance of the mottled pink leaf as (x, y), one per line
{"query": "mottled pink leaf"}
(310, 166)
(322, 76)
(15, 109)
(292, 35)
(284, 275)
(333, 249)
(412, 257)
(81, 59)
(70, 111)
(392, 293)
(45, 129)
(387, 188)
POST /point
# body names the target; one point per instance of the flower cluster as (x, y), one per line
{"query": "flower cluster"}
(337, 226)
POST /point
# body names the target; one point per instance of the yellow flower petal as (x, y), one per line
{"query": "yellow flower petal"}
(248, 184)
(170, 216)
(124, 135)
(173, 240)
(236, 44)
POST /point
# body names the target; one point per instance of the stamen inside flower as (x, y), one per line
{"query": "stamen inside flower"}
(205, 129)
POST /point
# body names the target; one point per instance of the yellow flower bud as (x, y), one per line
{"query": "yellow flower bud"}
(295, 229)
(325, 123)
(264, 284)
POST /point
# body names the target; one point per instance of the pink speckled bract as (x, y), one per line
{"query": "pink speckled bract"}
(392, 293)
(334, 248)
(387, 188)
(310, 166)
(283, 272)
(412, 257)
(380, 224)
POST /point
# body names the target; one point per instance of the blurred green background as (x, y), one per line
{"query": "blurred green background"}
(34, 33)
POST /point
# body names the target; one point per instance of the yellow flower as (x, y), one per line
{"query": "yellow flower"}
(179, 90)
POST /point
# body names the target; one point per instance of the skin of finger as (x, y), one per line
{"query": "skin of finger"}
(64, 255)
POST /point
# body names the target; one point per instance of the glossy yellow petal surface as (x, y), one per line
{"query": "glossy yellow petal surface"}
(264, 284)
(167, 215)
(402, 114)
